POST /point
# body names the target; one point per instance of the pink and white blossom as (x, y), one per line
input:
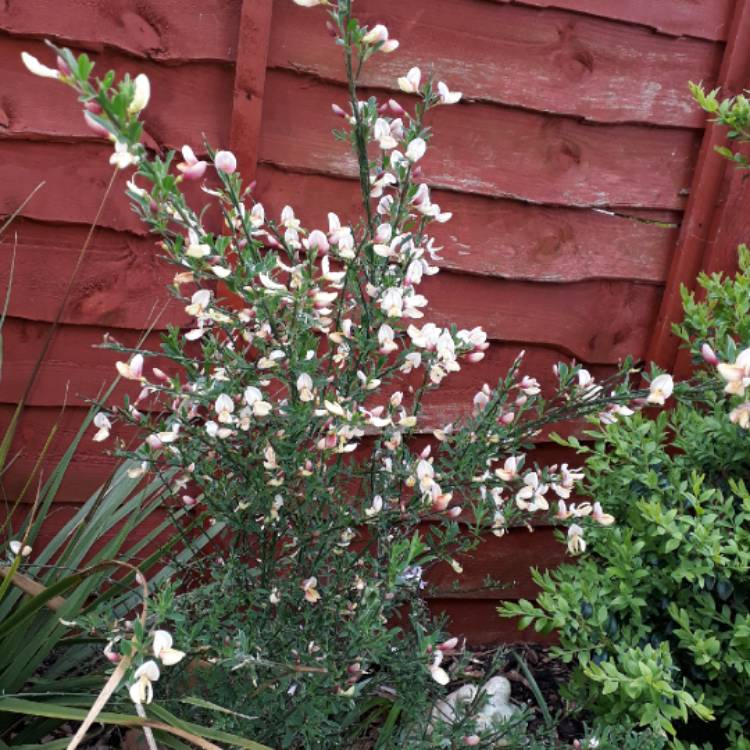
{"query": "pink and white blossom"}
(225, 161)
(447, 96)
(191, 167)
(410, 83)
(660, 389)
(103, 425)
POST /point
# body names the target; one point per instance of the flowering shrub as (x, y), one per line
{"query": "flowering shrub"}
(655, 617)
(291, 411)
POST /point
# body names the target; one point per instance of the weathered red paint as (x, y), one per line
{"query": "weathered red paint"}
(541, 60)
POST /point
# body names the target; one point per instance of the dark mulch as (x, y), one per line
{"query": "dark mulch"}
(550, 675)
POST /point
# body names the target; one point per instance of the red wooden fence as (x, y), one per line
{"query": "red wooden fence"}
(580, 174)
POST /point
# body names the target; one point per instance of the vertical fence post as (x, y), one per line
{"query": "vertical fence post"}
(249, 83)
(714, 195)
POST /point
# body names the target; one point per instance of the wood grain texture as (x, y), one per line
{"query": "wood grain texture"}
(494, 151)
(75, 176)
(705, 19)
(121, 283)
(165, 30)
(499, 237)
(75, 369)
(543, 60)
(187, 101)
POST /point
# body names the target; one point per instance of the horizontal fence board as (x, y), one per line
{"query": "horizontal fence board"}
(490, 150)
(121, 282)
(567, 316)
(165, 30)
(75, 368)
(543, 60)
(75, 175)
(477, 620)
(507, 560)
(187, 102)
(502, 238)
(92, 463)
(705, 19)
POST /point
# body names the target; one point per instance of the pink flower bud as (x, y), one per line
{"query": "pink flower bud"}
(448, 645)
(396, 108)
(225, 161)
(709, 355)
(508, 417)
(331, 29)
(318, 241)
(188, 501)
(153, 442)
(112, 656)
(62, 66)
(472, 740)
(454, 512)
(94, 107)
(338, 111)
(475, 357)
(95, 126)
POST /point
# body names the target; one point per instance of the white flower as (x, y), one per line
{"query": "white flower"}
(436, 671)
(375, 508)
(254, 399)
(310, 3)
(740, 415)
(510, 468)
(530, 386)
(598, 514)
(191, 167)
(383, 134)
(305, 387)
(103, 425)
(416, 149)
(317, 241)
(409, 83)
(224, 408)
(163, 649)
(141, 94)
(142, 691)
(534, 491)
(660, 389)
(379, 35)
(18, 548)
(38, 69)
(309, 586)
(122, 158)
(447, 96)
(132, 370)
(576, 542)
(225, 161)
(199, 302)
(737, 375)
